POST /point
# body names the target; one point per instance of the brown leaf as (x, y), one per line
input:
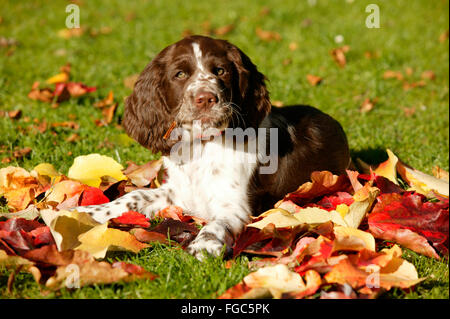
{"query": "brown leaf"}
(224, 30)
(428, 75)
(293, 46)
(367, 105)
(73, 138)
(106, 101)
(444, 36)
(407, 86)
(409, 111)
(389, 74)
(313, 79)
(267, 35)
(69, 33)
(108, 113)
(338, 55)
(69, 124)
(22, 152)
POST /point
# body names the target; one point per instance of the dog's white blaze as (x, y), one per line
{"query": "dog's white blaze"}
(198, 56)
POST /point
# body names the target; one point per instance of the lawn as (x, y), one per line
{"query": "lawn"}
(414, 122)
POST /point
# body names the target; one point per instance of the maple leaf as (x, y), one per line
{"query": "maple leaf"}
(19, 187)
(410, 220)
(322, 183)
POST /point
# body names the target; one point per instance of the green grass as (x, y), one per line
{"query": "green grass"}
(408, 38)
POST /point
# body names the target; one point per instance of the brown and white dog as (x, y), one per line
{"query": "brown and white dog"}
(205, 88)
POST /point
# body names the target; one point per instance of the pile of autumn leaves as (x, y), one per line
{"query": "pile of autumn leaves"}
(334, 237)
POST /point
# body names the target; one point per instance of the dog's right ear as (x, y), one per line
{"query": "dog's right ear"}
(147, 117)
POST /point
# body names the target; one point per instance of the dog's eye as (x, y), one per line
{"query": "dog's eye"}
(219, 71)
(181, 75)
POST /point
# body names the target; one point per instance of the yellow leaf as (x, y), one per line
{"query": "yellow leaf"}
(315, 215)
(349, 238)
(66, 226)
(422, 183)
(364, 199)
(279, 217)
(46, 169)
(100, 239)
(45, 173)
(89, 169)
(58, 78)
(388, 168)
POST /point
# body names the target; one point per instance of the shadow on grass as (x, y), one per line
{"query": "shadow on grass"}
(370, 156)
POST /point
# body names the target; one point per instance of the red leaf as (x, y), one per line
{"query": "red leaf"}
(330, 203)
(42, 236)
(93, 196)
(267, 241)
(395, 213)
(322, 183)
(132, 218)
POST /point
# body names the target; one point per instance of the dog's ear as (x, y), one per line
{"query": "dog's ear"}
(147, 116)
(255, 101)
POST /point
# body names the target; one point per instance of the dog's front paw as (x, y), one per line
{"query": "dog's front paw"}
(200, 246)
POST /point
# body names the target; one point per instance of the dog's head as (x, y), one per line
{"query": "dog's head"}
(195, 79)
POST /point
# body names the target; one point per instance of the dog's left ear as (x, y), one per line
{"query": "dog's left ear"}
(255, 96)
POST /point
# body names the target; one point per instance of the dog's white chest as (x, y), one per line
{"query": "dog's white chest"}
(214, 176)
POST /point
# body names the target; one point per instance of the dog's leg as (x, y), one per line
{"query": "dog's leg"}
(222, 230)
(146, 202)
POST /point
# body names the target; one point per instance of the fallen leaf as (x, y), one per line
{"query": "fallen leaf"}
(393, 75)
(224, 30)
(58, 78)
(143, 175)
(99, 239)
(267, 35)
(273, 281)
(367, 105)
(428, 75)
(70, 32)
(338, 55)
(409, 220)
(422, 183)
(66, 226)
(132, 218)
(443, 36)
(93, 196)
(388, 168)
(106, 101)
(322, 183)
(89, 169)
(313, 79)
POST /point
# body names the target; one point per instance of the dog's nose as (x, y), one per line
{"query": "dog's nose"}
(205, 99)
